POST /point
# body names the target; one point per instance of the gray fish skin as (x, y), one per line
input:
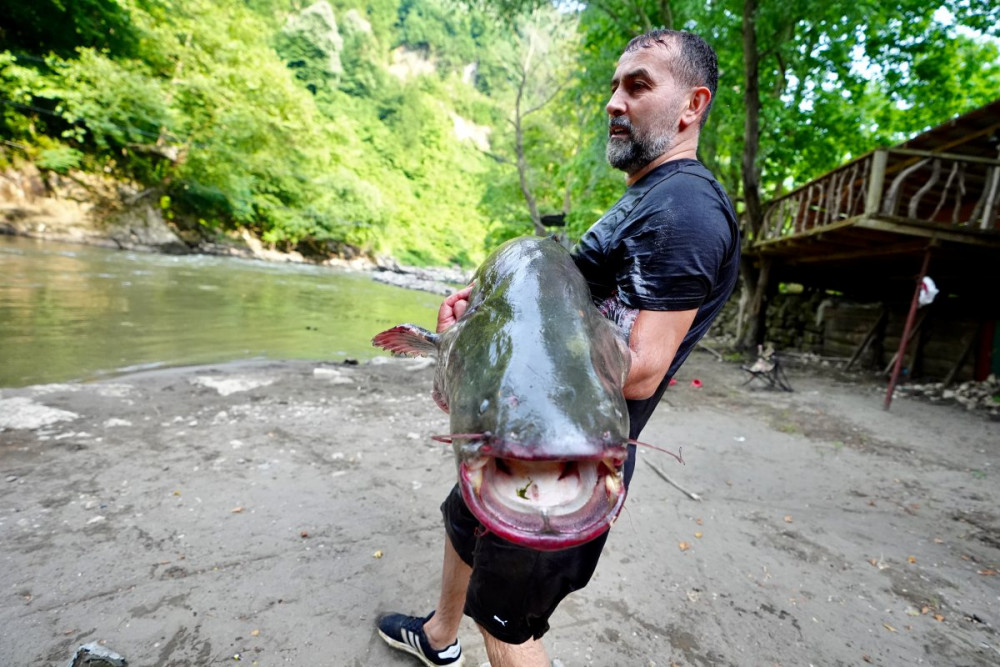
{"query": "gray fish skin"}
(532, 378)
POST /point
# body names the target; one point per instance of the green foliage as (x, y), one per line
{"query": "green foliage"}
(59, 159)
(60, 27)
(390, 124)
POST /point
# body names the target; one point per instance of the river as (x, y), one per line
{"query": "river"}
(75, 312)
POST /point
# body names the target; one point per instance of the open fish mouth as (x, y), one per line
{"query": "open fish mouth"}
(542, 504)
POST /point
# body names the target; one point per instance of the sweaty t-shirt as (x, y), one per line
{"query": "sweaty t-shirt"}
(671, 242)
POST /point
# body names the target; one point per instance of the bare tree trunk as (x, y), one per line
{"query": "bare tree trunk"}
(522, 162)
(755, 331)
(751, 98)
(522, 175)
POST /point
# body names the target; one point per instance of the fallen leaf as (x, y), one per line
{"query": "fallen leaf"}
(304, 534)
(684, 546)
(911, 559)
(888, 627)
(699, 522)
(866, 657)
(912, 612)
(237, 510)
(255, 633)
(788, 518)
(987, 573)
(925, 610)
(177, 493)
(698, 535)
(377, 554)
(938, 540)
(938, 617)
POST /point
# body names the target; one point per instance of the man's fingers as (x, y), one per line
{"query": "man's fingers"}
(453, 307)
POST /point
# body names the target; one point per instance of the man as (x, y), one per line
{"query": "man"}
(661, 263)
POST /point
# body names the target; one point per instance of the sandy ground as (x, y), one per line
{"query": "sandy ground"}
(267, 513)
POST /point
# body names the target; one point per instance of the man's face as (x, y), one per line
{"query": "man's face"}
(644, 108)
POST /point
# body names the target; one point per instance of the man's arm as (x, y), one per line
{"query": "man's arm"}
(654, 340)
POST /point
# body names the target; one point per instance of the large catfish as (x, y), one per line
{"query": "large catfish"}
(532, 377)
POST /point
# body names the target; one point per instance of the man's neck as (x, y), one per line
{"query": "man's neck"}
(686, 149)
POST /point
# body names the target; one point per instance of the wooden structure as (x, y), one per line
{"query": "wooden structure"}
(874, 226)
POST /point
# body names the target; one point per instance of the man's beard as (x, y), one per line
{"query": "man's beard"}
(632, 153)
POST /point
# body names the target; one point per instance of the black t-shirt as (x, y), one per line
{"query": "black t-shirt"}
(671, 242)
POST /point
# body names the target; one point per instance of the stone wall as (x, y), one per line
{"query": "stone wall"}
(832, 327)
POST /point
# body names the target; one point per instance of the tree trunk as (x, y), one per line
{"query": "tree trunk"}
(751, 98)
(756, 329)
(752, 278)
(522, 175)
(522, 162)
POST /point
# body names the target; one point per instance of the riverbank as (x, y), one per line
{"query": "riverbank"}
(88, 209)
(267, 513)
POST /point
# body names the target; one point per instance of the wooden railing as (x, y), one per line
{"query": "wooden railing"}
(900, 185)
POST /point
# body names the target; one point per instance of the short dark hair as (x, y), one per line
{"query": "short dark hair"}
(695, 63)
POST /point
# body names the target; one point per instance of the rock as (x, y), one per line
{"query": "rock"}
(140, 226)
(95, 655)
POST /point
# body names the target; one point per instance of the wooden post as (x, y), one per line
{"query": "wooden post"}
(988, 210)
(876, 181)
(870, 336)
(906, 331)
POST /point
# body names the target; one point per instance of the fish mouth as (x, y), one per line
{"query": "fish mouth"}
(543, 504)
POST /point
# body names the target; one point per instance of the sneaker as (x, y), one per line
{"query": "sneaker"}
(407, 634)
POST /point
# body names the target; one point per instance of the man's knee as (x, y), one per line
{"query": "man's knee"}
(501, 654)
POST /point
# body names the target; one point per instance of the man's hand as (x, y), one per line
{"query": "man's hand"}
(453, 308)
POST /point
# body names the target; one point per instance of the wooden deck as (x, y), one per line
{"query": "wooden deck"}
(864, 227)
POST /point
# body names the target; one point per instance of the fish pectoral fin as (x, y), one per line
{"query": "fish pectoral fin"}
(407, 339)
(441, 401)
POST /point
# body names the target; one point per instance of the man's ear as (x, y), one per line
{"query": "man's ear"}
(696, 108)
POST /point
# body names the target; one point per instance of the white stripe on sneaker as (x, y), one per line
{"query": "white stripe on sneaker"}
(452, 651)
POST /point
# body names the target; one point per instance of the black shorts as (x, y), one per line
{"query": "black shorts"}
(513, 590)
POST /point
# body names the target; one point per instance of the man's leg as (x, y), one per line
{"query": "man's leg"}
(442, 629)
(529, 654)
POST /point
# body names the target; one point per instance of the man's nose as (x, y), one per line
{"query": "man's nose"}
(615, 105)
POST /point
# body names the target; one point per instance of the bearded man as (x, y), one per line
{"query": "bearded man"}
(661, 262)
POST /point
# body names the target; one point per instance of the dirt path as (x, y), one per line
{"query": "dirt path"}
(266, 514)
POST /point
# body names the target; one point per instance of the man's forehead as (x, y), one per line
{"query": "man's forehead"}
(653, 61)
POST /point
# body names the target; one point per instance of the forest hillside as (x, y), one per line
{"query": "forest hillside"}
(433, 129)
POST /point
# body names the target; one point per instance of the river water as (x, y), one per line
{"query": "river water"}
(74, 312)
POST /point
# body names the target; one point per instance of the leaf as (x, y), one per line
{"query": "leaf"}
(684, 546)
